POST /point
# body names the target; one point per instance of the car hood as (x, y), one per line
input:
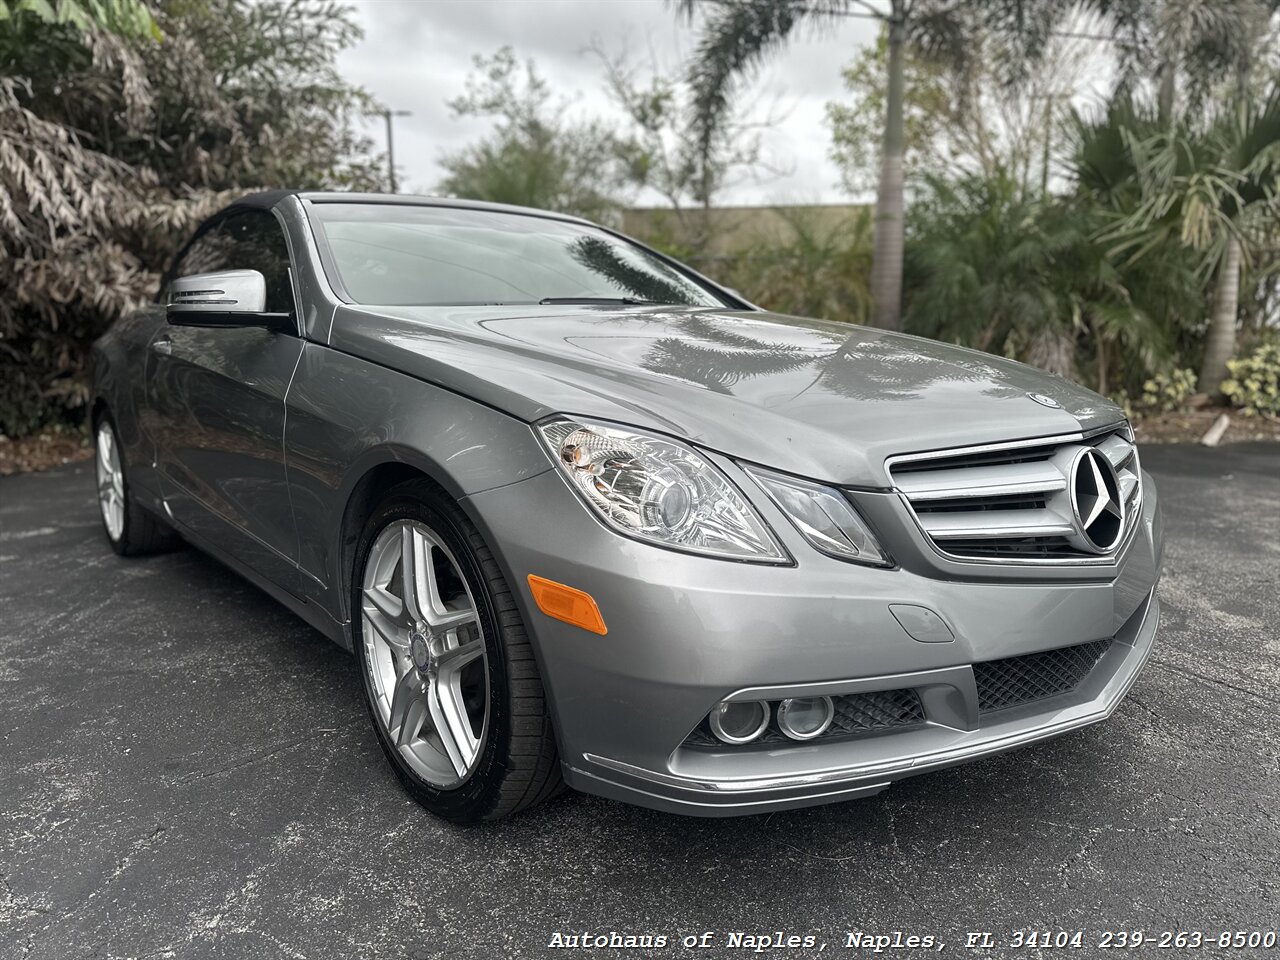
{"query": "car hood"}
(825, 400)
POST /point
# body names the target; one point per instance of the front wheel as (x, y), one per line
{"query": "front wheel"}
(449, 675)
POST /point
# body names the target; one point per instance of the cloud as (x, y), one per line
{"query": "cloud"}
(416, 55)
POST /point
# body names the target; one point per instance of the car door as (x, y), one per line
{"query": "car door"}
(217, 406)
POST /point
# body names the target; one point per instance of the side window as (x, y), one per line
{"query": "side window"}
(207, 254)
(255, 241)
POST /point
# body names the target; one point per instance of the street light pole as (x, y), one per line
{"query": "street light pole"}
(391, 148)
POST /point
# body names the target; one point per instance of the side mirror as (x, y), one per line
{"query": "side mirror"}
(230, 298)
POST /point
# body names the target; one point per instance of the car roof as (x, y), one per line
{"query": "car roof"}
(267, 199)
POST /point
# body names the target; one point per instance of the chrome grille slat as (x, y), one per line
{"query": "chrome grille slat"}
(1116, 449)
(1011, 502)
(1128, 486)
(985, 481)
(989, 525)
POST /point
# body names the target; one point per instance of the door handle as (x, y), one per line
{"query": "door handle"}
(163, 346)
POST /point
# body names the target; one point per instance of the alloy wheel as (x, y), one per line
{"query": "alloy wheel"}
(110, 481)
(425, 652)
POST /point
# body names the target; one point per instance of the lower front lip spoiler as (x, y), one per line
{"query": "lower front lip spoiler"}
(859, 780)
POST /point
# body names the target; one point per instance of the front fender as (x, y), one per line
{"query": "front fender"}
(118, 363)
(349, 419)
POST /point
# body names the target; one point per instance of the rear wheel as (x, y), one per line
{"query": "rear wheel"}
(130, 529)
(449, 676)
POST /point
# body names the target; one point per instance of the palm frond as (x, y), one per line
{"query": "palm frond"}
(737, 37)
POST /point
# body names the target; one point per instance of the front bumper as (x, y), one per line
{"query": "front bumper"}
(685, 632)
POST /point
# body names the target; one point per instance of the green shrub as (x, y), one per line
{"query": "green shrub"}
(1167, 392)
(1254, 384)
(817, 270)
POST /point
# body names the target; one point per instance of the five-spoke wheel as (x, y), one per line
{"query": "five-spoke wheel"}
(131, 529)
(426, 651)
(449, 673)
(110, 480)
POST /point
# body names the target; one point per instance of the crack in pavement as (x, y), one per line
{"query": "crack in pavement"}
(267, 754)
(137, 846)
(1185, 671)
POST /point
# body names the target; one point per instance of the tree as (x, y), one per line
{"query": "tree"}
(857, 123)
(814, 270)
(1204, 170)
(739, 34)
(251, 95)
(1021, 275)
(1189, 42)
(661, 150)
(982, 258)
(536, 156)
(1212, 187)
(994, 128)
(121, 18)
(112, 145)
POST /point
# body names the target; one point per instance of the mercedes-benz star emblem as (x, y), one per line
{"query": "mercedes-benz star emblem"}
(1044, 401)
(1095, 501)
(420, 649)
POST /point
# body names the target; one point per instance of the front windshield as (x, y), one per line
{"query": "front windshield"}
(403, 255)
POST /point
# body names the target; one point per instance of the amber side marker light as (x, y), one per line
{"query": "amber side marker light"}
(567, 604)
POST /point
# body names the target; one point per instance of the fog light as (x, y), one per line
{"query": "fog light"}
(739, 721)
(804, 718)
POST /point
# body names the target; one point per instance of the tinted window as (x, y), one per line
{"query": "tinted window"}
(249, 240)
(208, 253)
(387, 254)
(257, 243)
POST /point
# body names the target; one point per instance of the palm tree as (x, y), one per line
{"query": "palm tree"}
(819, 270)
(996, 266)
(1211, 187)
(1196, 40)
(984, 262)
(739, 34)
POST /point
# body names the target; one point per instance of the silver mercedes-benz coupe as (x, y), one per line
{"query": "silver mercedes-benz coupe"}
(584, 516)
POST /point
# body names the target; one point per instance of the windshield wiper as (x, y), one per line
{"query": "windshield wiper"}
(625, 301)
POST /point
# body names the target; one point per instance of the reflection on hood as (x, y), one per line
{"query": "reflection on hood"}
(821, 399)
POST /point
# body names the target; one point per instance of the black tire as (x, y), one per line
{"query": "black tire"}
(518, 765)
(142, 532)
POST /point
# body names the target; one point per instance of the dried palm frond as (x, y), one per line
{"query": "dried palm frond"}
(115, 143)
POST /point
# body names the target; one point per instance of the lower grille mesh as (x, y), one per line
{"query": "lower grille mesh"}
(1018, 680)
(860, 712)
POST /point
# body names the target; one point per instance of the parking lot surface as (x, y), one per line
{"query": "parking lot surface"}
(186, 771)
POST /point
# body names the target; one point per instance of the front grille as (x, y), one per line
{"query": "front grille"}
(856, 715)
(1018, 680)
(1012, 503)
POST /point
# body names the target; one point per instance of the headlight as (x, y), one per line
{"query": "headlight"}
(823, 516)
(658, 490)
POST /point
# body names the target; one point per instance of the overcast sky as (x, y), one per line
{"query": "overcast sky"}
(416, 54)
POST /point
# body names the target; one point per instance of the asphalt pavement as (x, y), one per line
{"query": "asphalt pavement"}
(186, 771)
